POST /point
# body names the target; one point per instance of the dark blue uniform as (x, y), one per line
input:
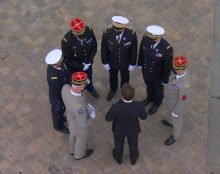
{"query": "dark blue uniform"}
(56, 79)
(156, 67)
(78, 50)
(119, 50)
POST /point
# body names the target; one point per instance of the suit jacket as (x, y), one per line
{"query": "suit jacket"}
(119, 52)
(156, 62)
(125, 117)
(78, 50)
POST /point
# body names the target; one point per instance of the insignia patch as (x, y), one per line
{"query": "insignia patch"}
(175, 87)
(158, 55)
(128, 43)
(80, 111)
(184, 97)
(54, 78)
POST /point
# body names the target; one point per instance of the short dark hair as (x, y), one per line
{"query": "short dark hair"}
(127, 91)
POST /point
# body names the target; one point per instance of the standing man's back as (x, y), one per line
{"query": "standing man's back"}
(125, 115)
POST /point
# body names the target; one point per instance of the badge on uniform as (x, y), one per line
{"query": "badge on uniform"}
(175, 87)
(80, 111)
(126, 44)
(158, 55)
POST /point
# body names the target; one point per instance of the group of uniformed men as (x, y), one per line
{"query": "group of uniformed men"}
(70, 71)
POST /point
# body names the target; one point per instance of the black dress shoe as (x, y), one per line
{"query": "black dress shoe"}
(110, 95)
(146, 101)
(153, 109)
(88, 153)
(170, 141)
(65, 130)
(166, 123)
(113, 154)
(94, 93)
(133, 162)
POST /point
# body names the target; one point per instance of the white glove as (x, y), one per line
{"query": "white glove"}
(86, 66)
(140, 67)
(106, 66)
(91, 111)
(174, 115)
(131, 67)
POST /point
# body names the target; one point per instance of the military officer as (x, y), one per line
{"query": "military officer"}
(79, 47)
(78, 115)
(118, 52)
(155, 59)
(56, 78)
(177, 94)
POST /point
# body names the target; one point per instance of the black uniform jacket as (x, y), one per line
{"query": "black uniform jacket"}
(119, 55)
(156, 63)
(79, 49)
(55, 79)
(125, 117)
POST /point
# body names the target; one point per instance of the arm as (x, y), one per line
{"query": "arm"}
(167, 64)
(140, 55)
(134, 49)
(94, 46)
(110, 114)
(143, 113)
(104, 48)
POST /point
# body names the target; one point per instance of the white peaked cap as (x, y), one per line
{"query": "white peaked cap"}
(120, 19)
(53, 57)
(155, 30)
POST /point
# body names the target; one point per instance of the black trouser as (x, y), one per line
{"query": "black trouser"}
(119, 146)
(155, 90)
(57, 110)
(113, 78)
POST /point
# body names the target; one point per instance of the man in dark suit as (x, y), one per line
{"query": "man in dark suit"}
(79, 47)
(155, 59)
(125, 114)
(56, 78)
(118, 52)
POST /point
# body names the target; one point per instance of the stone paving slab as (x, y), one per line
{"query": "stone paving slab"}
(29, 29)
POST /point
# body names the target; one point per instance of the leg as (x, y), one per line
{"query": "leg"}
(72, 141)
(57, 110)
(124, 77)
(133, 147)
(80, 147)
(177, 126)
(113, 78)
(159, 92)
(89, 73)
(119, 147)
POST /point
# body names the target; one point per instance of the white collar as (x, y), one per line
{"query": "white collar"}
(126, 101)
(75, 93)
(178, 76)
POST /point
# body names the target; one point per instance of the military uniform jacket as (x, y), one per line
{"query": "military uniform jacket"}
(79, 49)
(156, 62)
(177, 94)
(119, 52)
(56, 79)
(125, 117)
(77, 112)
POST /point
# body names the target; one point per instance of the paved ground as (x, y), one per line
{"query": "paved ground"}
(29, 29)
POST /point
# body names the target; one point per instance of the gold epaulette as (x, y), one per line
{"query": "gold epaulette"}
(64, 39)
(53, 78)
(168, 47)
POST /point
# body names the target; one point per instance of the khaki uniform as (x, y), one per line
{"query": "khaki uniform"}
(79, 121)
(176, 99)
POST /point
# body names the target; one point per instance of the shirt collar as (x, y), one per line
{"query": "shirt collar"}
(178, 76)
(75, 93)
(126, 101)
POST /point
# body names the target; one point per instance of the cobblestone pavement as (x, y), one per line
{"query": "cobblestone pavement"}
(29, 29)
